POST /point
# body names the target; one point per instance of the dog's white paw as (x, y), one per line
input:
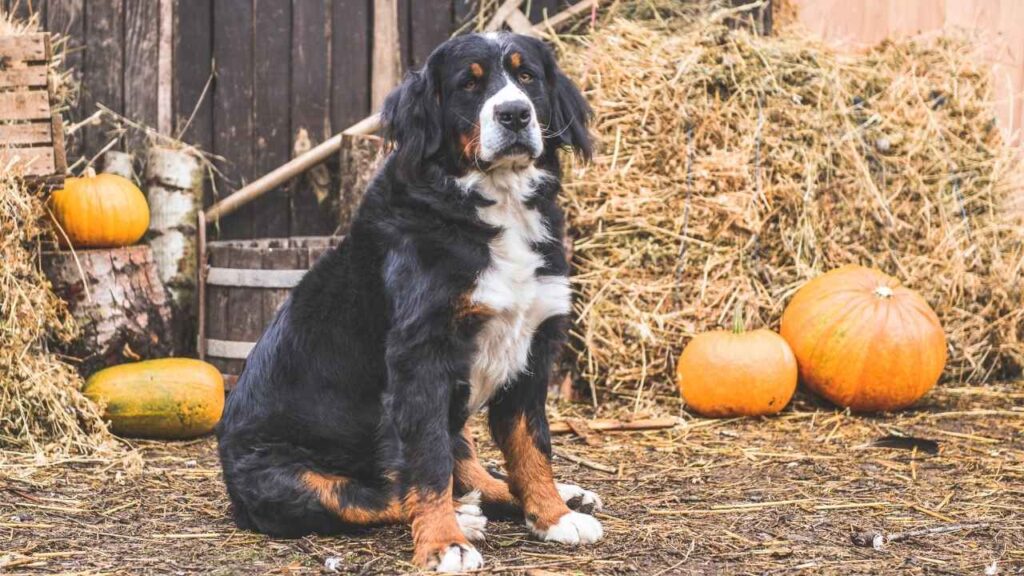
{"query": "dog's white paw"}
(459, 558)
(579, 499)
(572, 528)
(470, 517)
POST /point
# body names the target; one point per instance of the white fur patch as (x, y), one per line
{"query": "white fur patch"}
(509, 287)
(582, 499)
(459, 558)
(493, 136)
(572, 528)
(471, 518)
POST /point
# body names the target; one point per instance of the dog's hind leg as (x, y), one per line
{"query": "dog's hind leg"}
(470, 475)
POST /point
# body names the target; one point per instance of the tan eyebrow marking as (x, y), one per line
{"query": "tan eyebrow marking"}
(516, 60)
(477, 70)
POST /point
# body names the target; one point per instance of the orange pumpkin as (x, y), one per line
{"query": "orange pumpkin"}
(100, 211)
(863, 341)
(737, 373)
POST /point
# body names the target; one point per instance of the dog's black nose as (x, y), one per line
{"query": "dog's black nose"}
(513, 115)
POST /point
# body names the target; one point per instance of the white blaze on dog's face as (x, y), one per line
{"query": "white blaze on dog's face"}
(509, 128)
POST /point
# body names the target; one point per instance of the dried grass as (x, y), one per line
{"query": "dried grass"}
(41, 406)
(736, 167)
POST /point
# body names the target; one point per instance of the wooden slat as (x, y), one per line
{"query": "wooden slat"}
(141, 59)
(230, 349)
(272, 143)
(32, 77)
(20, 134)
(24, 105)
(309, 111)
(193, 56)
(280, 258)
(27, 47)
(104, 66)
(232, 107)
(36, 161)
(245, 310)
(431, 25)
(350, 62)
(65, 17)
(248, 278)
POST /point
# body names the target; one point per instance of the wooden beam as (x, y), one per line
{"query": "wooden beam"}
(387, 51)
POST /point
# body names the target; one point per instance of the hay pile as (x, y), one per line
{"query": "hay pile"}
(41, 408)
(735, 166)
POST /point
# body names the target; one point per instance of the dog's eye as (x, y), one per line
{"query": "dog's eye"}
(525, 77)
(469, 85)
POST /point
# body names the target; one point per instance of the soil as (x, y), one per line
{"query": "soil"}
(940, 489)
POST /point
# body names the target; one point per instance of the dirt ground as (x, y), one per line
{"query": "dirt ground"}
(803, 493)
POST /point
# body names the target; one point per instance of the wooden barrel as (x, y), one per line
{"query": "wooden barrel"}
(246, 282)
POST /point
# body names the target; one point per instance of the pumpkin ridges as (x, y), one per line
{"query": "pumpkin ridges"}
(100, 211)
(880, 352)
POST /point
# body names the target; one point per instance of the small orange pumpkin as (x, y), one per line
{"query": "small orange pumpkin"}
(725, 374)
(863, 341)
(100, 211)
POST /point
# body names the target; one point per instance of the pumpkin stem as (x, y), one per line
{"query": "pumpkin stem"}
(884, 292)
(738, 325)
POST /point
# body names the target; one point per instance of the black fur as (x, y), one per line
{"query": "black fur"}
(364, 371)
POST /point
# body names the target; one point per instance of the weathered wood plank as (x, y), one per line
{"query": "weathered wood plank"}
(34, 105)
(271, 89)
(350, 62)
(387, 49)
(216, 321)
(65, 17)
(20, 134)
(32, 77)
(141, 59)
(193, 56)
(233, 120)
(229, 349)
(25, 9)
(26, 48)
(431, 25)
(280, 258)
(103, 72)
(310, 123)
(245, 309)
(34, 161)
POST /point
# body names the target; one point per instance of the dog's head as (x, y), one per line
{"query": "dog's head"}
(484, 101)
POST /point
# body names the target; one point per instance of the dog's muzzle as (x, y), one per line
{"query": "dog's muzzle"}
(509, 127)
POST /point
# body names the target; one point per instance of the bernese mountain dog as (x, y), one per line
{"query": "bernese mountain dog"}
(449, 295)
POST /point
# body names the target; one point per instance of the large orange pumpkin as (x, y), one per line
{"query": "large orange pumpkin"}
(100, 211)
(725, 374)
(863, 341)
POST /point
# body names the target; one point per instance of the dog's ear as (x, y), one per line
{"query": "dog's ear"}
(570, 113)
(411, 118)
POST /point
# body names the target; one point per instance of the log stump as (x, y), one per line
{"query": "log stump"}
(119, 302)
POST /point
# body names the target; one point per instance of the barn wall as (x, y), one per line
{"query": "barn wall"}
(282, 74)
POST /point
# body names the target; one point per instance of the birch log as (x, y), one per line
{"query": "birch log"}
(174, 188)
(119, 163)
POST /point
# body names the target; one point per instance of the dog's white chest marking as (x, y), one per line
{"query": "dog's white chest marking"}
(510, 288)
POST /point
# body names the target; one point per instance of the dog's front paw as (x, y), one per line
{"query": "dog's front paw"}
(455, 558)
(470, 517)
(572, 528)
(580, 500)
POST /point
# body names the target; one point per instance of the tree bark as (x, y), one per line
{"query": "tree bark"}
(120, 304)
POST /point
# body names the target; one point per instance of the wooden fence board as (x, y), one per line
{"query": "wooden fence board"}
(65, 17)
(433, 26)
(271, 91)
(141, 57)
(193, 56)
(103, 73)
(233, 121)
(350, 62)
(310, 105)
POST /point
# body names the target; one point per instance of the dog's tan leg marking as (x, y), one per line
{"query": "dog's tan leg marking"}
(438, 541)
(470, 475)
(328, 487)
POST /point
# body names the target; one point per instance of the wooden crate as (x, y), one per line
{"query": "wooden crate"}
(31, 133)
